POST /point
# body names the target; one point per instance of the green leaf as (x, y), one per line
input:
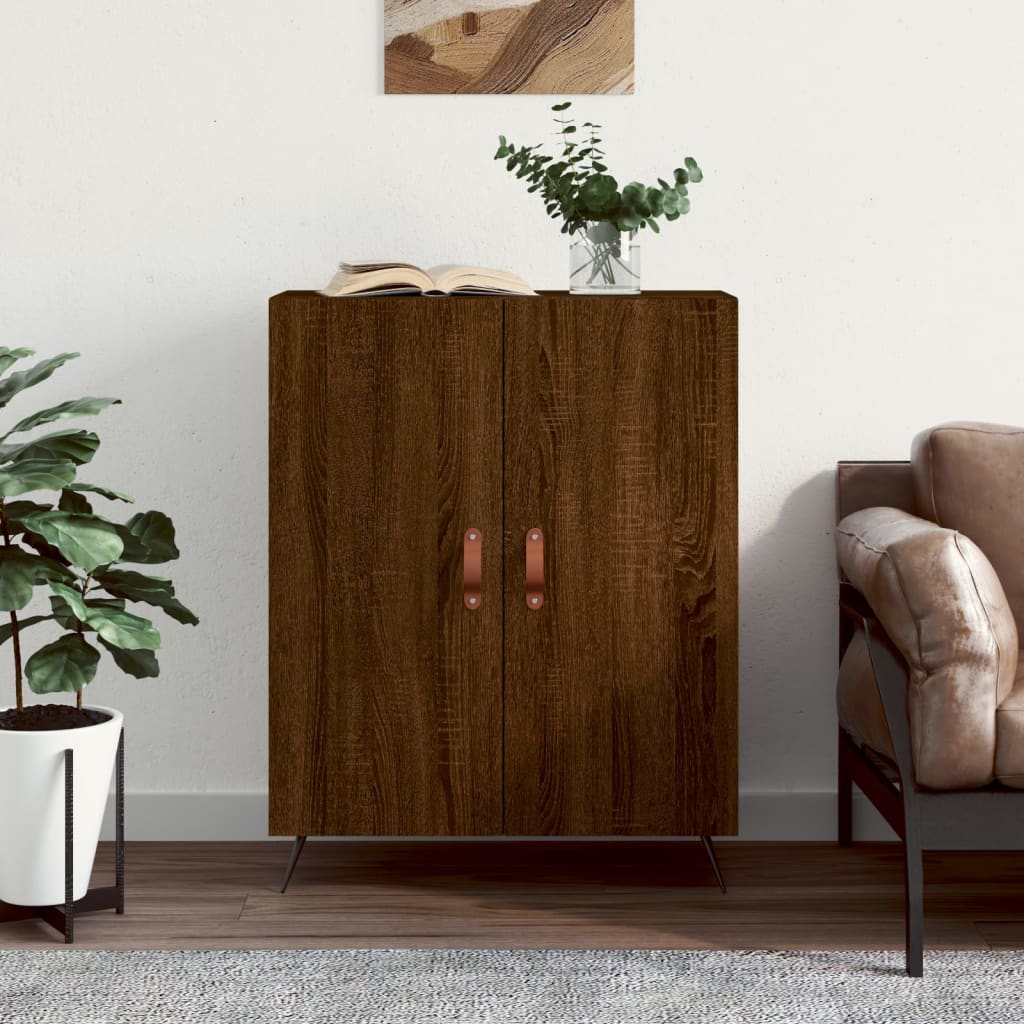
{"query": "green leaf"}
(140, 664)
(69, 620)
(50, 554)
(7, 630)
(17, 578)
(695, 173)
(629, 222)
(48, 568)
(18, 382)
(123, 629)
(72, 501)
(35, 475)
(154, 590)
(84, 540)
(103, 492)
(76, 407)
(77, 446)
(9, 356)
(148, 539)
(63, 614)
(634, 198)
(653, 225)
(65, 666)
(656, 201)
(73, 599)
(17, 510)
(599, 192)
(562, 106)
(676, 203)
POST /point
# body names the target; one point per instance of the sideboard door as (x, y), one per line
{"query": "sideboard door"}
(620, 450)
(385, 448)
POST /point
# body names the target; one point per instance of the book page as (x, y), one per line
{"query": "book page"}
(359, 279)
(452, 277)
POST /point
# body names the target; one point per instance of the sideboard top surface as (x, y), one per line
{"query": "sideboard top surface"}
(677, 295)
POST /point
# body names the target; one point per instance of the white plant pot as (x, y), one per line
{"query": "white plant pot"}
(32, 807)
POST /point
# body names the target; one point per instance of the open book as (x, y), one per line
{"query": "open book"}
(382, 277)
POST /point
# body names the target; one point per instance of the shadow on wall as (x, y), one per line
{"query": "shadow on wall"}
(788, 644)
(789, 641)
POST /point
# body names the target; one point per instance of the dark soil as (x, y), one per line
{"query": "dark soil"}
(47, 717)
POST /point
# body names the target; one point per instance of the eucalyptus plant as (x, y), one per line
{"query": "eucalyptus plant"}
(59, 548)
(578, 190)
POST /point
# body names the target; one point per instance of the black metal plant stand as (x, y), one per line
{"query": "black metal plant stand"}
(300, 842)
(109, 897)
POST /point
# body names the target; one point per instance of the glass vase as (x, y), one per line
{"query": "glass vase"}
(604, 261)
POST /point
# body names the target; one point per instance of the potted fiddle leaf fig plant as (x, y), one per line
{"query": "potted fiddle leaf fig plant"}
(67, 582)
(602, 219)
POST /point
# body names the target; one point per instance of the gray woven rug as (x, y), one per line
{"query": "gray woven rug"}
(507, 987)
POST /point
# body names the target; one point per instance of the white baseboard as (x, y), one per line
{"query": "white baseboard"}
(767, 816)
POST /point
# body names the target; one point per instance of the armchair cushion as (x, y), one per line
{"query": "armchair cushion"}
(970, 477)
(940, 601)
(1010, 735)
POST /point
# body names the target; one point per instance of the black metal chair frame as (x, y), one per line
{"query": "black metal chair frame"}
(991, 818)
(111, 897)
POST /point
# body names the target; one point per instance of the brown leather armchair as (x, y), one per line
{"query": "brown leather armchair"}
(931, 688)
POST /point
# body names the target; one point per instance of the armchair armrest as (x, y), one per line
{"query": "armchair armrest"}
(938, 601)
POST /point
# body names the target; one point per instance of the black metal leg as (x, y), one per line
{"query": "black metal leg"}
(119, 826)
(62, 917)
(300, 842)
(709, 849)
(914, 907)
(845, 797)
(69, 846)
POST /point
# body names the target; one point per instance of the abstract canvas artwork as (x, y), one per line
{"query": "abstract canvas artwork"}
(556, 47)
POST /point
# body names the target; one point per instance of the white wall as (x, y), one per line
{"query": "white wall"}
(165, 167)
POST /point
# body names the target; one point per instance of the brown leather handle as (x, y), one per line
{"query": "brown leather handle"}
(534, 569)
(472, 552)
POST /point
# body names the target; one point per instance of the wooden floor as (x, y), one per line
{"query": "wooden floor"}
(582, 894)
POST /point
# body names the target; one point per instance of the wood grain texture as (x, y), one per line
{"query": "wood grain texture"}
(620, 693)
(470, 53)
(547, 46)
(555, 894)
(402, 17)
(385, 442)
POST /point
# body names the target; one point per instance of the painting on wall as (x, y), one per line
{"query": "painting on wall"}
(556, 47)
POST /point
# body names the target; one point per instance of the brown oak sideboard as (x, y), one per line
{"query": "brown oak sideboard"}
(503, 561)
